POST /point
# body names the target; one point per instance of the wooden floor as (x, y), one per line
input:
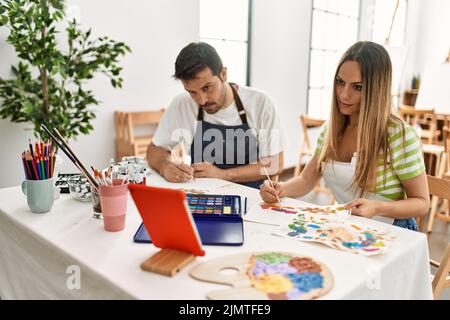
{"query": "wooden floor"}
(437, 240)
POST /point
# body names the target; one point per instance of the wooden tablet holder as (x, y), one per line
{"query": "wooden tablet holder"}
(167, 262)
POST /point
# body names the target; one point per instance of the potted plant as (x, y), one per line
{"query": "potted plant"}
(49, 81)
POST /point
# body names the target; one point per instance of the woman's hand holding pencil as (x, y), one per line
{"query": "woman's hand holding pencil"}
(271, 191)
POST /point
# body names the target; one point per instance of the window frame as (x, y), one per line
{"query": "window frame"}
(322, 88)
(247, 42)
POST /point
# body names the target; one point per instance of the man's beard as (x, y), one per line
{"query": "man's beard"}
(214, 107)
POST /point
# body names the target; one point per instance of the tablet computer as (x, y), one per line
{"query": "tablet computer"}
(167, 218)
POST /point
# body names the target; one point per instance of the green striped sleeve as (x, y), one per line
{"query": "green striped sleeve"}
(321, 139)
(406, 153)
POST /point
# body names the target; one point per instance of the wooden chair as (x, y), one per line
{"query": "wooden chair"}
(442, 279)
(440, 188)
(422, 117)
(128, 143)
(445, 174)
(432, 149)
(307, 151)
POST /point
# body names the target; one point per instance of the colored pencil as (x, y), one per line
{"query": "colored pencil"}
(30, 168)
(31, 146)
(37, 150)
(33, 164)
(42, 148)
(46, 168)
(27, 175)
(39, 169)
(41, 160)
(51, 164)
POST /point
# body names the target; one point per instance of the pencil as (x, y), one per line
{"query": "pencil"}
(33, 164)
(42, 148)
(27, 175)
(37, 150)
(29, 164)
(31, 146)
(42, 168)
(39, 169)
(52, 160)
(270, 181)
(47, 169)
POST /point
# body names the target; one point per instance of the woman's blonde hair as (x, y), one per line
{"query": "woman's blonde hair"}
(375, 114)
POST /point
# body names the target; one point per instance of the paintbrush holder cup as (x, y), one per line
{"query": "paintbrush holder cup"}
(114, 199)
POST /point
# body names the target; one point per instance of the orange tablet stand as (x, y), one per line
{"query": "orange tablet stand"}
(170, 226)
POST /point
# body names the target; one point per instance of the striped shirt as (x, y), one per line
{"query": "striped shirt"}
(406, 152)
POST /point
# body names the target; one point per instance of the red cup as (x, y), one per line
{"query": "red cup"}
(113, 200)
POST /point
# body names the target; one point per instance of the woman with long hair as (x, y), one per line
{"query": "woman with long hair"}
(368, 157)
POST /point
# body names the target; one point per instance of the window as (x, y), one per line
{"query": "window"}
(382, 20)
(334, 29)
(225, 25)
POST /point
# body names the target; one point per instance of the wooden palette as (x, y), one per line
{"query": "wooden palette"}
(266, 276)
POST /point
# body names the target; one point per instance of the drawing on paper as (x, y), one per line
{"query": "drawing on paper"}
(339, 234)
(278, 208)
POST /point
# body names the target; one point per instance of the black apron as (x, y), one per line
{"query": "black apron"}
(226, 146)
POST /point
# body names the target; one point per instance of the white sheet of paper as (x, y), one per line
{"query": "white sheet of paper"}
(271, 217)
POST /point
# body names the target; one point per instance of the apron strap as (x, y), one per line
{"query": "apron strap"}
(239, 106)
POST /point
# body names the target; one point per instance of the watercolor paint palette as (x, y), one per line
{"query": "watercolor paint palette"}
(205, 204)
(267, 276)
(342, 235)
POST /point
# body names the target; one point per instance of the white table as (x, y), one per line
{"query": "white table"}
(36, 251)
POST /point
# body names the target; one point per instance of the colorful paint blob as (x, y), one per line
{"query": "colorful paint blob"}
(283, 209)
(286, 277)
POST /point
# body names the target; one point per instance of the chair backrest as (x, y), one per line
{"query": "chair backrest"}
(426, 117)
(305, 145)
(446, 136)
(127, 142)
(414, 115)
(308, 123)
(440, 188)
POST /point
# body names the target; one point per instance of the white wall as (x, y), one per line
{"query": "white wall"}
(433, 33)
(156, 31)
(280, 59)
(411, 37)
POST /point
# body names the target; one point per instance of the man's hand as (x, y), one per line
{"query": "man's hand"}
(208, 170)
(364, 208)
(177, 172)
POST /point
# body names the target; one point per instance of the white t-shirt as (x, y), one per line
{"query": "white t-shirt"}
(180, 120)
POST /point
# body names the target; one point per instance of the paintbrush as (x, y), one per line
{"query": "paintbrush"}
(270, 181)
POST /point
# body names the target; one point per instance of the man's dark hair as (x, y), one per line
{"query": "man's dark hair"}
(195, 57)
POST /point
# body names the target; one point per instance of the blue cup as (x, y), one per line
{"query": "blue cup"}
(40, 194)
